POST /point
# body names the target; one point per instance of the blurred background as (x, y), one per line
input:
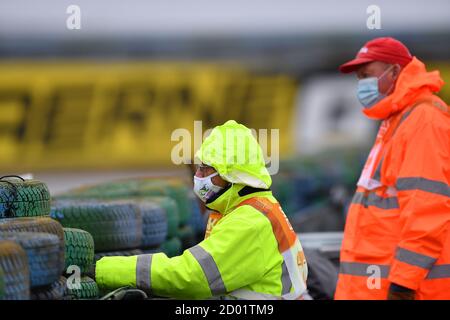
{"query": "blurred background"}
(100, 103)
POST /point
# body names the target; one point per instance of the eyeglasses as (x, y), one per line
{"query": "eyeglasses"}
(203, 167)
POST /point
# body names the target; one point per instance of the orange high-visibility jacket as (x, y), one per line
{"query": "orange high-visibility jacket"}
(398, 224)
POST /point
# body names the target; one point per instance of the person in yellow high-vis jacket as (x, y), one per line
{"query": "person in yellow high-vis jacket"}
(250, 250)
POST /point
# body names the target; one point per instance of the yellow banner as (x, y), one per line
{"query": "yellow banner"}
(121, 115)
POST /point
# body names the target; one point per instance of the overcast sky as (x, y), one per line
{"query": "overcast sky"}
(44, 18)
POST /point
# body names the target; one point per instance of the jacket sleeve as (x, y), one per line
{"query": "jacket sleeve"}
(424, 201)
(223, 262)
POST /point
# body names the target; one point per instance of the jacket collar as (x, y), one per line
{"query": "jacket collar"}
(413, 83)
(230, 197)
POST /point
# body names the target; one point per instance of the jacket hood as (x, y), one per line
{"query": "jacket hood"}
(232, 150)
(413, 82)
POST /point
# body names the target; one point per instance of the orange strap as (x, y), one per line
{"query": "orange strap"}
(282, 229)
(214, 217)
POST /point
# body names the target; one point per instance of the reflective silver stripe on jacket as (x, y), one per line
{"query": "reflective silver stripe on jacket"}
(285, 279)
(418, 183)
(210, 269)
(441, 271)
(364, 269)
(414, 258)
(375, 200)
(143, 272)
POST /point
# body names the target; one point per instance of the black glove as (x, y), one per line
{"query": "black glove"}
(397, 292)
(91, 271)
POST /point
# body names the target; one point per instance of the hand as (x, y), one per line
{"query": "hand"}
(397, 292)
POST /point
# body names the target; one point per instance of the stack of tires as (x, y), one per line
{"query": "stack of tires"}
(119, 227)
(79, 252)
(31, 244)
(134, 216)
(35, 250)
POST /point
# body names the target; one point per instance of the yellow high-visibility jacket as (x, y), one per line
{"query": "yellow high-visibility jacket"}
(250, 252)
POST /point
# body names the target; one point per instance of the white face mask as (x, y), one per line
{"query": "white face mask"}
(204, 188)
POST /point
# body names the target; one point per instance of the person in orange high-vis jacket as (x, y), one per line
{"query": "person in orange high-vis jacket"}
(397, 239)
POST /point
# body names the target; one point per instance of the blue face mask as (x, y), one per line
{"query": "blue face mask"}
(368, 93)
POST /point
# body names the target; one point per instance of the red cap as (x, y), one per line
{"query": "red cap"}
(387, 50)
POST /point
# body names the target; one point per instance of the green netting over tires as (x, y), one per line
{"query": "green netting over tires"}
(2, 284)
(154, 216)
(43, 253)
(187, 236)
(198, 220)
(54, 291)
(142, 188)
(79, 249)
(16, 275)
(38, 224)
(171, 210)
(114, 226)
(124, 253)
(154, 223)
(23, 198)
(171, 247)
(88, 289)
(175, 189)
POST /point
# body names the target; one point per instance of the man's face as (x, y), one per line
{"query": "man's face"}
(376, 69)
(204, 170)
